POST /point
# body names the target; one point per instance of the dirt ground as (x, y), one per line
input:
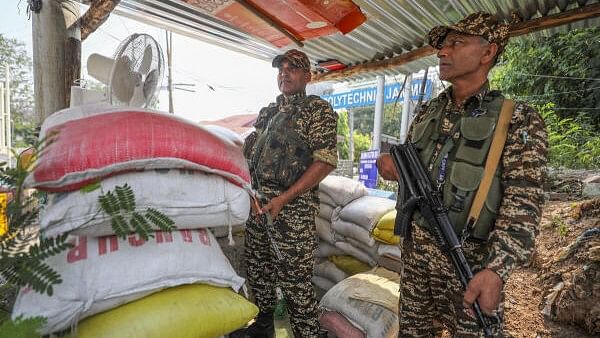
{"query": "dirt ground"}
(527, 286)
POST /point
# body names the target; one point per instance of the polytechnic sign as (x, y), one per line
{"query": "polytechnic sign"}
(366, 96)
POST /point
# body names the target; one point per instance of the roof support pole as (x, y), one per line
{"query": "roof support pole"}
(378, 113)
(405, 108)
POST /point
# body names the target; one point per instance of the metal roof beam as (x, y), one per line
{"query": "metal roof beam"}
(525, 27)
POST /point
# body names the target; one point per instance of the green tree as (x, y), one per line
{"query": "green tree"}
(362, 142)
(13, 53)
(563, 69)
(344, 130)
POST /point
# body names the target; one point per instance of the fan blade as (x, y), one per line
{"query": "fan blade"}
(124, 81)
(150, 84)
(138, 99)
(146, 60)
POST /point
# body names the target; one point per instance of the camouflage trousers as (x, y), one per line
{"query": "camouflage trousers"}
(431, 293)
(295, 235)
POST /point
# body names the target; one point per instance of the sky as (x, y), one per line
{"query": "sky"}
(225, 82)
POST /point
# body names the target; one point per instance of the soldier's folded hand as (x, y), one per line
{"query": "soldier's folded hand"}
(386, 168)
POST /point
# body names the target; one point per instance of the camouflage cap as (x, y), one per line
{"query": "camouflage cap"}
(295, 57)
(481, 24)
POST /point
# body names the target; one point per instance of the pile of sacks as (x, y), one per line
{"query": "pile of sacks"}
(358, 259)
(195, 177)
(347, 218)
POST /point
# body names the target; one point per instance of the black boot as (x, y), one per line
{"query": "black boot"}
(263, 327)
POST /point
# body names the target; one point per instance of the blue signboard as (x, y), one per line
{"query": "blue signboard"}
(366, 96)
(367, 168)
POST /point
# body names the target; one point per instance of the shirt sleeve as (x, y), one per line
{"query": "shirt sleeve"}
(524, 160)
(322, 132)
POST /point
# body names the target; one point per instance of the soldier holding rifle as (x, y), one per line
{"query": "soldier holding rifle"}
(452, 135)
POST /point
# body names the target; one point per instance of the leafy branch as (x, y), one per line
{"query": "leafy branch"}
(22, 252)
(121, 207)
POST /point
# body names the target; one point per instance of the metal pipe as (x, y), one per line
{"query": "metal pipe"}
(406, 109)
(378, 113)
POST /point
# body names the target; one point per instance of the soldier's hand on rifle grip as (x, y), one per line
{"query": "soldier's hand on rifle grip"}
(255, 206)
(386, 168)
(274, 206)
(486, 287)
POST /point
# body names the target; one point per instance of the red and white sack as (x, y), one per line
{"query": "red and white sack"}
(339, 325)
(89, 148)
(101, 273)
(191, 199)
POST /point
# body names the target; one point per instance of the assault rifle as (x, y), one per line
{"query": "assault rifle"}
(415, 181)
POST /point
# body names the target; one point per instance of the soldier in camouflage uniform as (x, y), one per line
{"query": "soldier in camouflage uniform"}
(291, 151)
(453, 133)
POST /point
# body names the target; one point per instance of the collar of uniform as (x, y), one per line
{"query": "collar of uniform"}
(475, 99)
(289, 99)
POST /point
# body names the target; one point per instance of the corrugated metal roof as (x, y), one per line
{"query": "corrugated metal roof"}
(392, 27)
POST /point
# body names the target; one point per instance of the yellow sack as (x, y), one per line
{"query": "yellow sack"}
(385, 236)
(387, 221)
(187, 311)
(384, 230)
(349, 264)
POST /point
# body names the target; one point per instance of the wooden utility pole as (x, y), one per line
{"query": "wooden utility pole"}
(55, 62)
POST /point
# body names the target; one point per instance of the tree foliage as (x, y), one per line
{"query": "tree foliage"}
(560, 76)
(563, 69)
(13, 53)
(343, 129)
(573, 143)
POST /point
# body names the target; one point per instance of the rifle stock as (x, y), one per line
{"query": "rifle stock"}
(414, 179)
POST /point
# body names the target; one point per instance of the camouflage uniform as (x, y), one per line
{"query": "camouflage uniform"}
(311, 122)
(430, 289)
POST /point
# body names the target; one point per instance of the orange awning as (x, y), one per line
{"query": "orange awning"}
(302, 19)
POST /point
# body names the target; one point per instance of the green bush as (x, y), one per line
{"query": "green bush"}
(573, 142)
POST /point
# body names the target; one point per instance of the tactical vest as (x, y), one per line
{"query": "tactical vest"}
(464, 165)
(281, 155)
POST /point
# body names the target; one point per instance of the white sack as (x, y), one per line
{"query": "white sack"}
(392, 251)
(326, 211)
(369, 250)
(324, 198)
(330, 271)
(366, 211)
(348, 229)
(190, 198)
(342, 190)
(322, 283)
(103, 272)
(325, 250)
(350, 250)
(324, 229)
(348, 298)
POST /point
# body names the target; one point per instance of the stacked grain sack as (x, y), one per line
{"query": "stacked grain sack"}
(333, 264)
(355, 221)
(389, 249)
(193, 176)
(366, 303)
